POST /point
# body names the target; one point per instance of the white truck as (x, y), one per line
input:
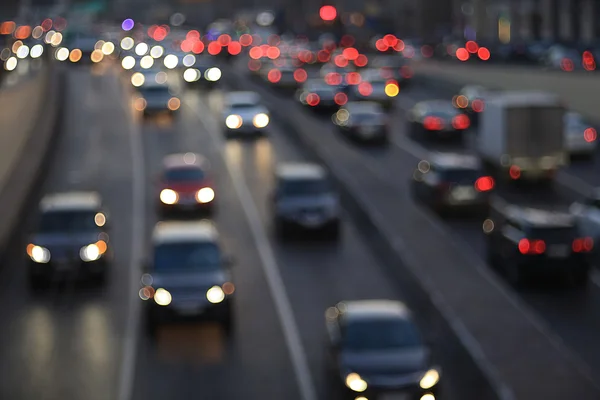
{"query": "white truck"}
(521, 134)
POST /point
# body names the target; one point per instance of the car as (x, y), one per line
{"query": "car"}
(436, 119)
(363, 120)
(580, 137)
(527, 242)
(471, 99)
(156, 97)
(319, 95)
(452, 182)
(185, 184)
(85, 44)
(393, 67)
(374, 87)
(70, 239)
(285, 78)
(188, 277)
(375, 350)
(587, 214)
(305, 199)
(201, 70)
(244, 114)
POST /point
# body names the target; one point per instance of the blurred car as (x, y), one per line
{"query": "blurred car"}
(377, 351)
(436, 119)
(71, 239)
(580, 136)
(374, 87)
(154, 97)
(317, 94)
(393, 67)
(201, 70)
(363, 120)
(449, 182)
(471, 99)
(304, 199)
(84, 43)
(184, 184)
(244, 114)
(188, 277)
(562, 57)
(526, 243)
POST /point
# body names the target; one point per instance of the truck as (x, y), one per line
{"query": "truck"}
(521, 135)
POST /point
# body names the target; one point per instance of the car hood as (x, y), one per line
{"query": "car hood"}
(386, 363)
(54, 241)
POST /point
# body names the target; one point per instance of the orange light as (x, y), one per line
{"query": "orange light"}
(300, 75)
(365, 89)
(472, 47)
(274, 75)
(350, 53)
(328, 13)
(7, 28)
(23, 32)
(462, 54)
(590, 135)
(228, 288)
(214, 48)
(246, 40)
(361, 61)
(255, 53)
(273, 52)
(102, 246)
(461, 101)
(174, 104)
(30, 247)
(234, 48)
(483, 53)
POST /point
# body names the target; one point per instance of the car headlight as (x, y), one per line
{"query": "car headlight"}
(355, 382)
(234, 122)
(205, 195)
(430, 379)
(215, 295)
(168, 196)
(260, 120)
(90, 252)
(174, 104)
(38, 254)
(212, 74)
(162, 297)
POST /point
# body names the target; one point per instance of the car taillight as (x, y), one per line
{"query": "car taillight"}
(532, 247)
(484, 184)
(590, 135)
(583, 245)
(477, 105)
(433, 123)
(461, 122)
(313, 99)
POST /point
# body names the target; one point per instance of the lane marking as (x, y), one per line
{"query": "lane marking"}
(271, 269)
(130, 342)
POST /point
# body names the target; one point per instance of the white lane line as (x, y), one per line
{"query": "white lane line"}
(127, 374)
(269, 263)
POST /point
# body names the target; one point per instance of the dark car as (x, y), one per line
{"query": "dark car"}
(471, 99)
(318, 95)
(203, 71)
(188, 276)
(156, 98)
(394, 67)
(449, 182)
(376, 351)
(185, 184)
(363, 120)
(71, 239)
(305, 199)
(437, 119)
(374, 87)
(526, 243)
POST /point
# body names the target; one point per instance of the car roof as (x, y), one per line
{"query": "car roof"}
(184, 231)
(71, 201)
(369, 309)
(455, 160)
(185, 160)
(290, 171)
(540, 218)
(247, 97)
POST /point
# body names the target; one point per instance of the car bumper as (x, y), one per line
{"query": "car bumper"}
(174, 312)
(188, 207)
(77, 268)
(246, 130)
(411, 393)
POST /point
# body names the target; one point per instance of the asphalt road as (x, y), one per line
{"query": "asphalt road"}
(571, 315)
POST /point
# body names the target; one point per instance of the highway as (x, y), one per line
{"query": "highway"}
(566, 318)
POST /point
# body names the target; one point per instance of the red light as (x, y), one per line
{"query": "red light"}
(399, 46)
(160, 34)
(539, 246)
(426, 51)
(254, 65)
(433, 124)
(246, 40)
(365, 89)
(515, 172)
(567, 65)
(46, 25)
(274, 75)
(350, 53)
(484, 184)
(273, 52)
(361, 61)
(390, 40)
(280, 62)
(264, 48)
(477, 105)
(462, 54)
(583, 245)
(590, 135)
(273, 40)
(340, 99)
(347, 41)
(300, 75)
(224, 40)
(406, 72)
(353, 78)
(312, 99)
(328, 13)
(323, 56)
(186, 45)
(472, 47)
(524, 246)
(214, 48)
(193, 35)
(255, 53)
(151, 30)
(527, 246)
(198, 47)
(589, 65)
(234, 48)
(309, 57)
(333, 79)
(483, 53)
(341, 61)
(461, 122)
(381, 45)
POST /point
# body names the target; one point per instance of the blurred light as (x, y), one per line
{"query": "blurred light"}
(392, 90)
(381, 45)
(265, 18)
(62, 54)
(567, 65)
(328, 13)
(254, 65)
(274, 75)
(212, 74)
(340, 99)
(365, 89)
(472, 47)
(350, 53)
(399, 46)
(162, 297)
(361, 61)
(424, 166)
(188, 60)
(100, 219)
(426, 51)
(171, 61)
(108, 48)
(16, 45)
(174, 104)
(255, 53)
(160, 34)
(198, 47)
(273, 52)
(427, 396)
(356, 383)
(313, 99)
(56, 39)
(47, 24)
(11, 64)
(97, 56)
(48, 37)
(228, 288)
(23, 52)
(353, 78)
(246, 40)
(460, 101)
(341, 61)
(300, 75)
(323, 56)
(504, 30)
(488, 226)
(233, 122)
(483, 53)
(390, 40)
(127, 43)
(75, 55)
(462, 54)
(138, 79)
(140, 104)
(128, 62)
(141, 49)
(7, 28)
(273, 40)
(333, 78)
(60, 24)
(37, 32)
(514, 172)
(5, 54)
(432, 377)
(193, 35)
(224, 40)
(23, 32)
(214, 48)
(157, 51)
(357, 19)
(146, 62)
(99, 44)
(590, 135)
(215, 295)
(177, 19)
(191, 75)
(128, 24)
(234, 48)
(260, 120)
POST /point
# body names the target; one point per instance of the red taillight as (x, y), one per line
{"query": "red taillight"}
(484, 184)
(515, 172)
(567, 65)
(583, 245)
(340, 99)
(590, 135)
(313, 99)
(477, 105)
(461, 122)
(532, 247)
(433, 124)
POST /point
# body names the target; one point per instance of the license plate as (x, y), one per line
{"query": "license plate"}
(63, 265)
(394, 396)
(189, 309)
(561, 251)
(463, 194)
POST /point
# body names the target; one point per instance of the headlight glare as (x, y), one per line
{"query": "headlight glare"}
(205, 195)
(260, 120)
(39, 254)
(212, 74)
(90, 253)
(430, 379)
(168, 196)
(162, 297)
(355, 382)
(234, 122)
(215, 295)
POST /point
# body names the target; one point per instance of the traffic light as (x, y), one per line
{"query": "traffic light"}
(328, 13)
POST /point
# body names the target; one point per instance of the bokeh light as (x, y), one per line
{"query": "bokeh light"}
(127, 43)
(128, 24)
(128, 62)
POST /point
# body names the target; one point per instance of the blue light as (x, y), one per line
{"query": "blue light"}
(128, 24)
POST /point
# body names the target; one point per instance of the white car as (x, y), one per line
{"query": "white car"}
(244, 114)
(580, 137)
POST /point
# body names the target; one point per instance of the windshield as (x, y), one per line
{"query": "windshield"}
(67, 221)
(385, 334)
(184, 174)
(187, 257)
(304, 187)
